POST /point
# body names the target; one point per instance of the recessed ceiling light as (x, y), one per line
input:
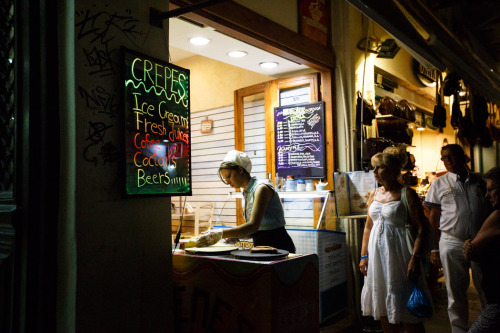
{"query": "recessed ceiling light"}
(269, 64)
(237, 54)
(199, 40)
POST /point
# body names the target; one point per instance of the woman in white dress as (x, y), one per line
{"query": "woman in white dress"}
(388, 261)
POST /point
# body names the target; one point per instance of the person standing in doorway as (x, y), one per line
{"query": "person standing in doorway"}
(457, 210)
(485, 248)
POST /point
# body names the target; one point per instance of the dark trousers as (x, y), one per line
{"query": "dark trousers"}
(278, 238)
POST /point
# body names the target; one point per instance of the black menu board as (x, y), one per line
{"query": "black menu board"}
(157, 126)
(300, 140)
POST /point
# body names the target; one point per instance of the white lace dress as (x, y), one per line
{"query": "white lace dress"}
(386, 287)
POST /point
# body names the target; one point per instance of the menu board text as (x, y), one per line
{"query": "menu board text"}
(157, 127)
(300, 140)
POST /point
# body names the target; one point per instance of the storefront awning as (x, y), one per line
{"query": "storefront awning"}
(423, 33)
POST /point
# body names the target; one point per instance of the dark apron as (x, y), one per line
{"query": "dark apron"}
(278, 238)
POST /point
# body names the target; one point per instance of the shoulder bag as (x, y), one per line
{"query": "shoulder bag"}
(429, 239)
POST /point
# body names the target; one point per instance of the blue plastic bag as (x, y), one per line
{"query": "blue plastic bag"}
(419, 304)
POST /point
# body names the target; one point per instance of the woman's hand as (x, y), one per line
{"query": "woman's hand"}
(435, 259)
(468, 248)
(414, 267)
(209, 238)
(363, 266)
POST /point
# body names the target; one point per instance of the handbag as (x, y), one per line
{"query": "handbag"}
(387, 106)
(371, 146)
(456, 113)
(428, 236)
(368, 110)
(439, 116)
(419, 304)
(396, 130)
(406, 110)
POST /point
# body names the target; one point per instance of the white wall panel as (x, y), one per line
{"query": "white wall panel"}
(208, 150)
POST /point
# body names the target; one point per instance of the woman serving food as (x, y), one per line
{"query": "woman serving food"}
(263, 213)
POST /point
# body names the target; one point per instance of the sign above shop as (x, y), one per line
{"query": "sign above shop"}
(425, 76)
(300, 140)
(157, 126)
(314, 20)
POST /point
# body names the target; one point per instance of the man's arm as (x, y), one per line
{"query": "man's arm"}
(434, 218)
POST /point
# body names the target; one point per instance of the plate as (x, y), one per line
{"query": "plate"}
(211, 249)
(245, 254)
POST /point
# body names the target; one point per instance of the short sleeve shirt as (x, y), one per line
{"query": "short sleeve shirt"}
(274, 216)
(463, 205)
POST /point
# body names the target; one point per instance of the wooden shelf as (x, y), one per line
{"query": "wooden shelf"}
(291, 194)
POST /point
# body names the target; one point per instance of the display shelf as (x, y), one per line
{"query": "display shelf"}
(392, 117)
(292, 194)
(298, 195)
(352, 216)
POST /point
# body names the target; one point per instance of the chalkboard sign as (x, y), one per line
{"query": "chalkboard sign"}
(300, 140)
(157, 126)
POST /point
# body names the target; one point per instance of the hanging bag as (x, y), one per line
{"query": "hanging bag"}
(439, 116)
(368, 110)
(419, 304)
(428, 236)
(466, 131)
(456, 113)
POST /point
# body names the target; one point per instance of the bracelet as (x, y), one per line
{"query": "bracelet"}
(415, 255)
(363, 257)
(434, 251)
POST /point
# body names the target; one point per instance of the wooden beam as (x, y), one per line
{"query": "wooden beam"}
(243, 24)
(271, 100)
(327, 91)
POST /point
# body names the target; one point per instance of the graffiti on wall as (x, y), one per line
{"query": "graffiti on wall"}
(99, 35)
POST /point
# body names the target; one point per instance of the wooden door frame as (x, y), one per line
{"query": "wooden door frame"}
(239, 22)
(319, 91)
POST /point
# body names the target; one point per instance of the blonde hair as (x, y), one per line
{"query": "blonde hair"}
(392, 158)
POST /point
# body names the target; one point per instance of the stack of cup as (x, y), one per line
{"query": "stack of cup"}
(309, 185)
(301, 185)
(290, 184)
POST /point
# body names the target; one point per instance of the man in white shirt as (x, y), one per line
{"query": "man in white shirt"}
(458, 208)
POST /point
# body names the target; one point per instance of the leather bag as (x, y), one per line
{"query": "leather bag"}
(466, 131)
(429, 239)
(406, 110)
(456, 113)
(368, 110)
(387, 106)
(480, 116)
(494, 121)
(410, 165)
(439, 116)
(396, 130)
(372, 146)
(451, 84)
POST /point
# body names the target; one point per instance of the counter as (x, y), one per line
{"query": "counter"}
(222, 294)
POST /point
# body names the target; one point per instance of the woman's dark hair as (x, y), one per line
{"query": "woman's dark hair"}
(228, 165)
(494, 175)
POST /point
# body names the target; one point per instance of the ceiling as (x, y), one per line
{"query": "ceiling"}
(453, 36)
(181, 29)
(476, 24)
